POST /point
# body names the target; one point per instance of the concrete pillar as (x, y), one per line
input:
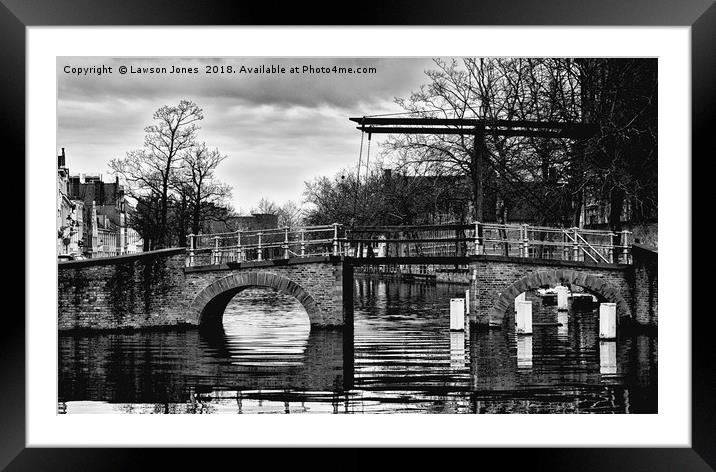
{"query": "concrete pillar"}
(457, 349)
(562, 297)
(457, 314)
(524, 351)
(524, 317)
(520, 298)
(607, 320)
(608, 357)
(467, 301)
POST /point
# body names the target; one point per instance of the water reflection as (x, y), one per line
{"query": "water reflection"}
(401, 357)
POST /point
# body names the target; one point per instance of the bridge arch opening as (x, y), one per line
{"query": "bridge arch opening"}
(210, 304)
(592, 284)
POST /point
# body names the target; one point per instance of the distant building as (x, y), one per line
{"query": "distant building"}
(98, 214)
(69, 214)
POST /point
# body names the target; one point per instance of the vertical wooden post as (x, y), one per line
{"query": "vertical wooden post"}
(285, 243)
(522, 297)
(303, 242)
(457, 314)
(335, 239)
(607, 320)
(259, 254)
(524, 317)
(562, 298)
(477, 162)
(192, 247)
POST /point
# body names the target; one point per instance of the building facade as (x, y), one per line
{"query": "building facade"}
(92, 215)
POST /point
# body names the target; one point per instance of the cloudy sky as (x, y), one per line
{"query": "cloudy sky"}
(278, 130)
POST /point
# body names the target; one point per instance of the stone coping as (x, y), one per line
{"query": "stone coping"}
(119, 259)
(268, 263)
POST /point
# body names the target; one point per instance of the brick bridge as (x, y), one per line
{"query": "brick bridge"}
(188, 287)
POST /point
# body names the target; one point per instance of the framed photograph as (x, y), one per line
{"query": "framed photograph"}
(414, 226)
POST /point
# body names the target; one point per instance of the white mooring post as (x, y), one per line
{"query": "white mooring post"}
(524, 317)
(467, 301)
(562, 297)
(607, 321)
(457, 314)
(520, 298)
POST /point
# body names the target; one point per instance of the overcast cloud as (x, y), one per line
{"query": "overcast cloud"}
(278, 130)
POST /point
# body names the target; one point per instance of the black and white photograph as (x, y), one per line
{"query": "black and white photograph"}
(297, 235)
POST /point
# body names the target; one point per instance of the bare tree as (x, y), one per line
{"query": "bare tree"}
(489, 89)
(204, 191)
(290, 214)
(266, 207)
(150, 170)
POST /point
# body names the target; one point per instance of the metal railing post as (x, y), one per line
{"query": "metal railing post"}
(217, 256)
(335, 239)
(525, 241)
(192, 247)
(565, 247)
(285, 243)
(238, 246)
(575, 245)
(259, 250)
(626, 250)
(478, 248)
(610, 249)
(303, 242)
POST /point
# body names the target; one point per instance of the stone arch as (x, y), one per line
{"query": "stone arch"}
(593, 283)
(209, 305)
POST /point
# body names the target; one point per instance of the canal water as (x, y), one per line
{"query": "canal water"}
(401, 358)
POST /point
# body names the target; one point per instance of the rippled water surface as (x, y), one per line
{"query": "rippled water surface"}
(402, 357)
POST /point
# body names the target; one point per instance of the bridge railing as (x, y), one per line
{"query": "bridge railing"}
(451, 240)
(573, 244)
(515, 240)
(265, 244)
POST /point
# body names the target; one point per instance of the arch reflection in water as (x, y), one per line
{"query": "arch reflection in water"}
(266, 359)
(253, 352)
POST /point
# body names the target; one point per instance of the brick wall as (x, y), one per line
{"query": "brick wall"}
(498, 280)
(646, 285)
(322, 278)
(155, 289)
(121, 292)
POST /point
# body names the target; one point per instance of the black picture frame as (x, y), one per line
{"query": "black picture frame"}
(16, 15)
